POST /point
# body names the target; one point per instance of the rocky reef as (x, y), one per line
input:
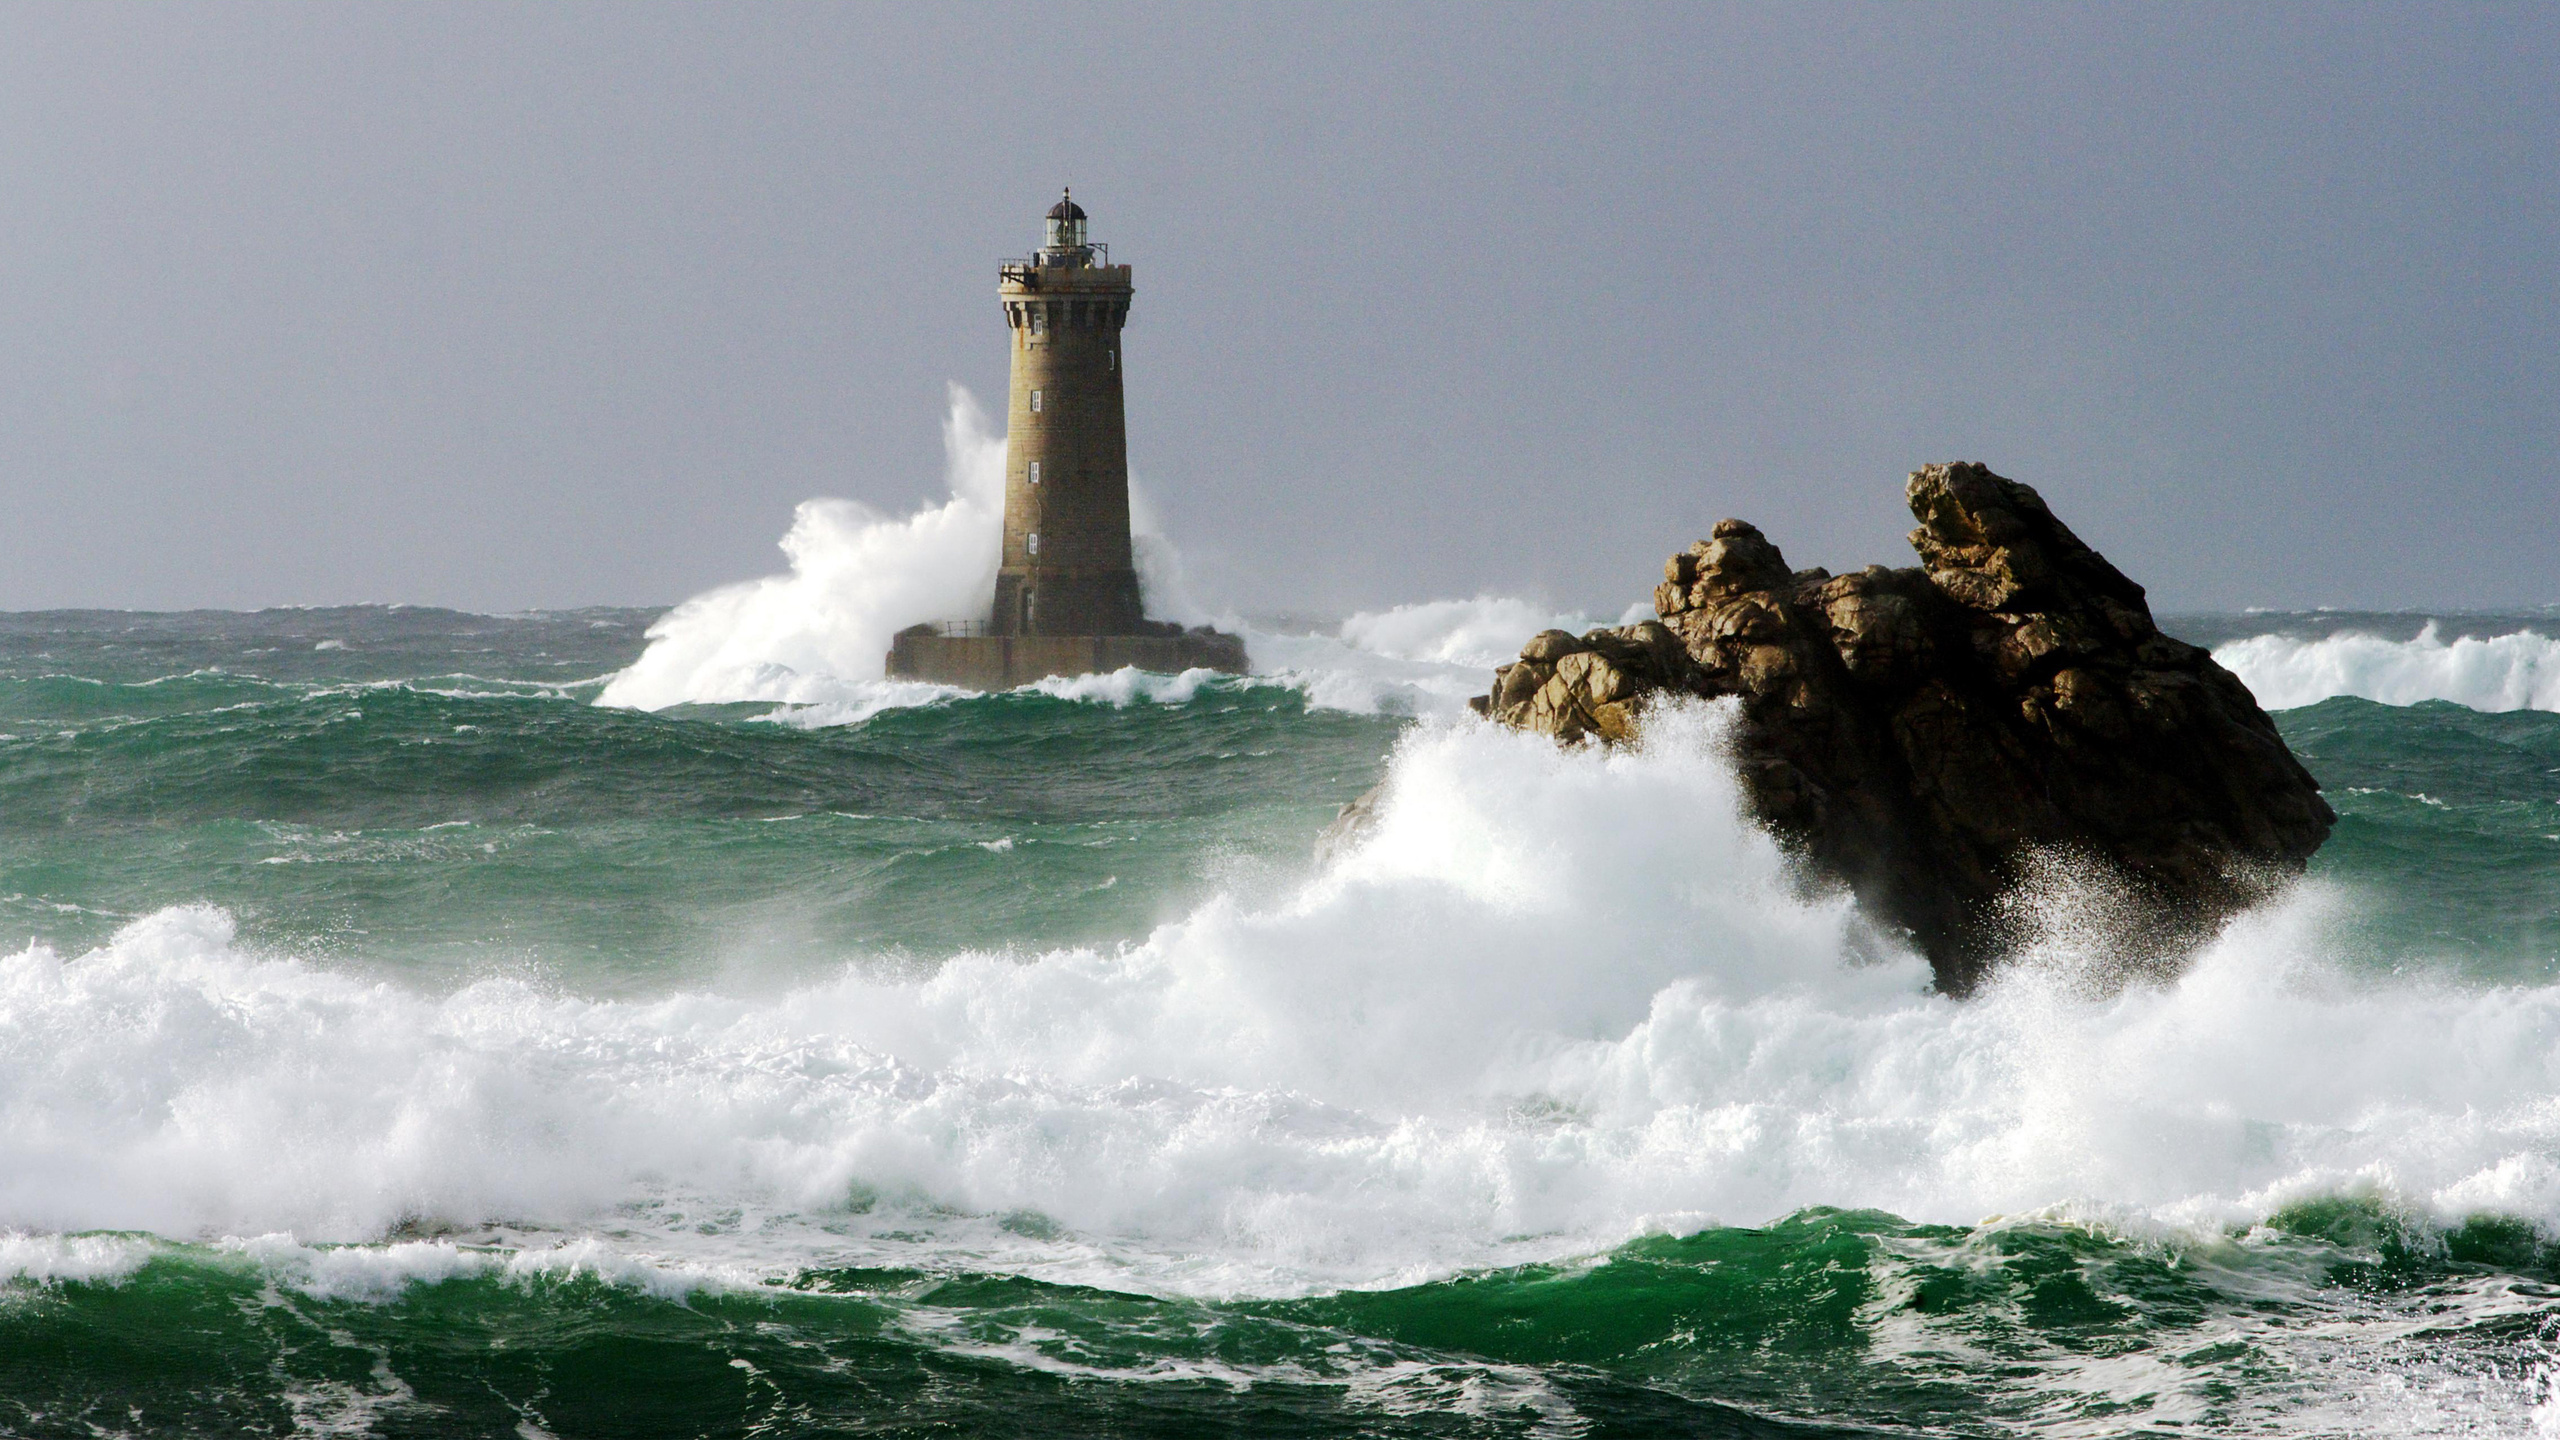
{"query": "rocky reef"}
(1930, 736)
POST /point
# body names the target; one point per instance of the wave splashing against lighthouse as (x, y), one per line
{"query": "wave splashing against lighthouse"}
(818, 635)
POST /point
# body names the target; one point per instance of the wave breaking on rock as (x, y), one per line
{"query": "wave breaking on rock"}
(1930, 736)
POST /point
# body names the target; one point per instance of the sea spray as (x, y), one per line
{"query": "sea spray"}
(1422, 659)
(1477, 634)
(819, 634)
(2516, 671)
(1164, 581)
(856, 578)
(815, 639)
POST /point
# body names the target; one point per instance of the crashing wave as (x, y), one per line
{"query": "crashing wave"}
(1554, 999)
(815, 639)
(2518, 671)
(820, 633)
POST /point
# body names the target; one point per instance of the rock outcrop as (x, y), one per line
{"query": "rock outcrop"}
(1927, 736)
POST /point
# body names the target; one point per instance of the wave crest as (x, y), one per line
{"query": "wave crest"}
(2518, 671)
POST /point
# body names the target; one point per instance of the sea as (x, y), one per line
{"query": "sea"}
(622, 1023)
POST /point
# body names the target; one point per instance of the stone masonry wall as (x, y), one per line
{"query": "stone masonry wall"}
(1066, 326)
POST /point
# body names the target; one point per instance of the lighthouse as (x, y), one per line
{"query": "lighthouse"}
(1067, 600)
(1067, 567)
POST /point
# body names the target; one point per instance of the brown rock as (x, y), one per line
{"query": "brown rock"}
(1929, 737)
(1549, 646)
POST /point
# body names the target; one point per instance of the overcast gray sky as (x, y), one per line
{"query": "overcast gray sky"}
(511, 306)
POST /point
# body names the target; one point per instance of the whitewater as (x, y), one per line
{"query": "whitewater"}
(1556, 1001)
(423, 1023)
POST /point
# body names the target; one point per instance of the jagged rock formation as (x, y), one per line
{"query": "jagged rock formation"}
(1927, 735)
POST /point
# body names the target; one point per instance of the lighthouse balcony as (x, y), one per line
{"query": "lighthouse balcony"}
(1095, 256)
(1038, 273)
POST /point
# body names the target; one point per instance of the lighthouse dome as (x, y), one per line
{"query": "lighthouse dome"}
(1064, 234)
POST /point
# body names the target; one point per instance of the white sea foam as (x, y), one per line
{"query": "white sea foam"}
(856, 702)
(48, 1259)
(1555, 999)
(2517, 671)
(1127, 686)
(377, 1273)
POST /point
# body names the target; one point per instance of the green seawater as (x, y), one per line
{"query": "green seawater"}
(277, 849)
(1825, 1323)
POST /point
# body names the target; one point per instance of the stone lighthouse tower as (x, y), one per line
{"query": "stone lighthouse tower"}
(1067, 568)
(1067, 600)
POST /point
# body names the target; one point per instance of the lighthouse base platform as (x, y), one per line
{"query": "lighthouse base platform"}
(1002, 662)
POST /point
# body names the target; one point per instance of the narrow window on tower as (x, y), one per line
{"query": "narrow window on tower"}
(1034, 543)
(1111, 360)
(1035, 472)
(1035, 402)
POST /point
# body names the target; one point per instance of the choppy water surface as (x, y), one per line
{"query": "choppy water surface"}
(395, 1041)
